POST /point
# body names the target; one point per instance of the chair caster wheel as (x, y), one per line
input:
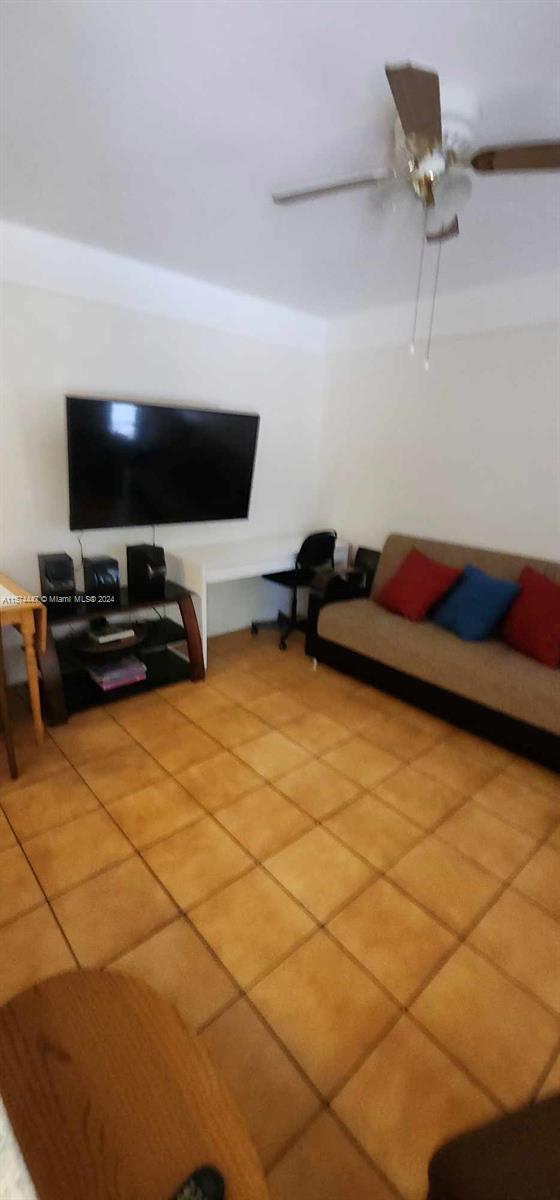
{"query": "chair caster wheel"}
(254, 629)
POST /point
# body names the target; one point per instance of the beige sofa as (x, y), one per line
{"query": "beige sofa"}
(487, 676)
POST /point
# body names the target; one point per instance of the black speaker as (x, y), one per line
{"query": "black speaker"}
(56, 572)
(101, 577)
(146, 571)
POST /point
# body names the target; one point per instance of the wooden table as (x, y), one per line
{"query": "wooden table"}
(30, 616)
(110, 1098)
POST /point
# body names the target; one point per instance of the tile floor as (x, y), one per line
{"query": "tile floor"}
(355, 905)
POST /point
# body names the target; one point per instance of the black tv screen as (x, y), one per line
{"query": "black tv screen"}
(152, 464)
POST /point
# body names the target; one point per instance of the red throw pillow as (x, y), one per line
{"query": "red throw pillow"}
(532, 624)
(418, 584)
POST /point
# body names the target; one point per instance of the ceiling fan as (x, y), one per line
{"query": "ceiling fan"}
(427, 162)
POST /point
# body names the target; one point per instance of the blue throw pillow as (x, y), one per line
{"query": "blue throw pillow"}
(476, 604)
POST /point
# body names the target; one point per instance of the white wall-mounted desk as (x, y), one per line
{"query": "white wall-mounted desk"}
(219, 563)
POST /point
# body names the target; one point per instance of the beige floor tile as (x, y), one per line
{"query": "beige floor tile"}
(499, 1032)
(233, 725)
(317, 788)
(31, 949)
(272, 755)
(540, 880)
(416, 716)
(198, 702)
(525, 943)
(113, 912)
(197, 861)
(178, 965)
(480, 748)
(374, 830)
(368, 694)
(35, 763)
(7, 838)
(348, 711)
(90, 735)
(321, 689)
(362, 762)
(119, 774)
(319, 872)
(521, 806)
(277, 708)
(155, 811)
(219, 780)
(233, 642)
(178, 750)
(19, 890)
(51, 802)
(406, 1100)
(551, 1084)
(453, 887)
(394, 939)
(325, 1009)
(424, 800)
(274, 1098)
(64, 856)
(316, 732)
(539, 778)
(396, 736)
(251, 925)
(154, 715)
(241, 686)
(216, 665)
(482, 836)
(284, 673)
(141, 701)
(455, 767)
(264, 821)
(325, 1165)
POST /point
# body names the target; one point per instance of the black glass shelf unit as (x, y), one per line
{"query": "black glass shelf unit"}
(66, 682)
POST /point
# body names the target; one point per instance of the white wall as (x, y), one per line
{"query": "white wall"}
(467, 452)
(54, 344)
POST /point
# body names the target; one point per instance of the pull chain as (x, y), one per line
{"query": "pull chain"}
(419, 284)
(429, 342)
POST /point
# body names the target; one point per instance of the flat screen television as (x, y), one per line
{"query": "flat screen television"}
(152, 464)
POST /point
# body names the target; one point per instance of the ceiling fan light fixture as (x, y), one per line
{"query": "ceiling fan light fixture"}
(451, 193)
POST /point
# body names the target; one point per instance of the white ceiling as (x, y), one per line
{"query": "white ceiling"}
(158, 128)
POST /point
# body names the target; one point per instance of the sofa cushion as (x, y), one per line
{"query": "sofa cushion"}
(486, 672)
(417, 585)
(476, 605)
(532, 624)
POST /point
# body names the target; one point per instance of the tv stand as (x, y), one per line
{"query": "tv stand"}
(66, 684)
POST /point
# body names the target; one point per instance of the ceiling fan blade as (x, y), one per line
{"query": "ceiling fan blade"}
(446, 232)
(416, 95)
(528, 156)
(325, 189)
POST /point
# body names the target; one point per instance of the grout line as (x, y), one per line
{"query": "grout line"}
(105, 964)
(38, 881)
(457, 1062)
(545, 1072)
(389, 1183)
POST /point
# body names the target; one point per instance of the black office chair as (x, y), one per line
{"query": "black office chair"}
(316, 554)
(367, 561)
